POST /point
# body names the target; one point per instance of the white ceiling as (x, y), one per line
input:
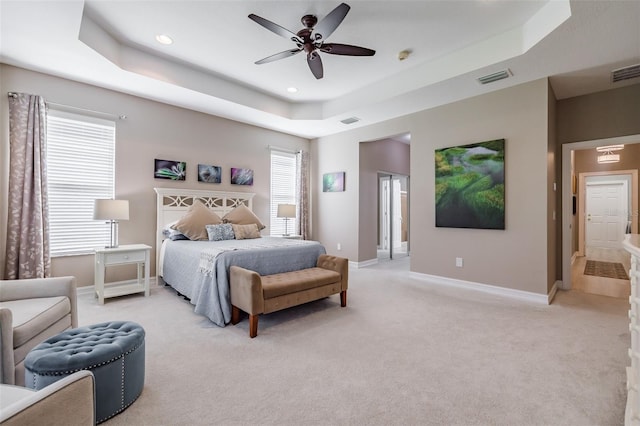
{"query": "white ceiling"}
(210, 66)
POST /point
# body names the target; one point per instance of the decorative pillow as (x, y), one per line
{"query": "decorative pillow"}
(241, 215)
(193, 223)
(221, 232)
(246, 232)
(176, 235)
(172, 234)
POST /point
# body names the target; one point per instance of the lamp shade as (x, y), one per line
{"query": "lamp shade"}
(286, 210)
(111, 209)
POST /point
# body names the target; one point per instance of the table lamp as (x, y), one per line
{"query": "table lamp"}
(111, 211)
(286, 211)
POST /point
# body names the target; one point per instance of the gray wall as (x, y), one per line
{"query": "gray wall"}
(152, 130)
(521, 257)
(554, 193)
(601, 115)
(516, 257)
(378, 156)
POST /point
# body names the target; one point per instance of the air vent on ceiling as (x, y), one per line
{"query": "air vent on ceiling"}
(350, 120)
(490, 78)
(625, 73)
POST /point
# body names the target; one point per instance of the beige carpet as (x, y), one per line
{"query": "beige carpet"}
(404, 352)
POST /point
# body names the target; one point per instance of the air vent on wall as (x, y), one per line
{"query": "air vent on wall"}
(625, 73)
(490, 78)
(350, 120)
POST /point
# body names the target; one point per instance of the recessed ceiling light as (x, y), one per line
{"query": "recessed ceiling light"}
(292, 89)
(164, 39)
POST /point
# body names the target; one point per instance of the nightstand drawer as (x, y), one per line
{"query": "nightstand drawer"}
(126, 257)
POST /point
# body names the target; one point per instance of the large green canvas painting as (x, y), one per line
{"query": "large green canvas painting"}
(470, 186)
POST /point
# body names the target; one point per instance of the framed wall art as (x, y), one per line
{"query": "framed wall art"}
(470, 181)
(241, 176)
(209, 174)
(333, 182)
(167, 169)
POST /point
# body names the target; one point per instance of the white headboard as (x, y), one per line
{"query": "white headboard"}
(173, 203)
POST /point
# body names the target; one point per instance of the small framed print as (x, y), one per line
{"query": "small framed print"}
(241, 176)
(168, 169)
(333, 182)
(209, 174)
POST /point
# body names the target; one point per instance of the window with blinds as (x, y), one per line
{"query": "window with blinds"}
(283, 190)
(80, 169)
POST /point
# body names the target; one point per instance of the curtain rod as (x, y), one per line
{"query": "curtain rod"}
(108, 114)
(277, 148)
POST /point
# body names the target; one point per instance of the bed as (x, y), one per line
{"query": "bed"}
(199, 270)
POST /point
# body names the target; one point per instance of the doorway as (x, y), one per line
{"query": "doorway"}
(573, 205)
(603, 222)
(393, 216)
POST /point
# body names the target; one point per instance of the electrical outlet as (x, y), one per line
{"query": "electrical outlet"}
(459, 262)
(339, 246)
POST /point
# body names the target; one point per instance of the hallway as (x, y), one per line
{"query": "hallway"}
(600, 285)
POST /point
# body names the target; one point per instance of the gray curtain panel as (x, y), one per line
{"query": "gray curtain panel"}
(28, 222)
(302, 188)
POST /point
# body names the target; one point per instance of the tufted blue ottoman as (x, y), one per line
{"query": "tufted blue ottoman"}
(112, 351)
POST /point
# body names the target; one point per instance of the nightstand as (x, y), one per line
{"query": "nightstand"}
(125, 254)
(290, 237)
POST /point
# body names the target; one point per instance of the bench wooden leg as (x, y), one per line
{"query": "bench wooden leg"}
(235, 315)
(253, 325)
(343, 298)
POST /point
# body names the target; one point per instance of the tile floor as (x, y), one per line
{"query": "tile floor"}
(598, 285)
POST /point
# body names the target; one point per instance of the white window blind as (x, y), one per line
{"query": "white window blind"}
(283, 190)
(80, 169)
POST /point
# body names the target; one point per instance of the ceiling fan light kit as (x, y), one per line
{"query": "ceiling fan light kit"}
(311, 39)
(607, 155)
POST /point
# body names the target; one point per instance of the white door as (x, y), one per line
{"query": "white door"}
(606, 214)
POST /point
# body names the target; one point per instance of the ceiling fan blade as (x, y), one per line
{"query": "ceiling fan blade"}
(315, 64)
(281, 31)
(346, 49)
(277, 56)
(330, 22)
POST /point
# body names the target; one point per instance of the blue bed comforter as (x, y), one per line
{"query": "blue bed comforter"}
(200, 269)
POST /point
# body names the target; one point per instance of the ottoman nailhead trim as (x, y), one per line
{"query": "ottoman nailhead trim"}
(66, 373)
(118, 412)
(122, 406)
(84, 342)
(122, 384)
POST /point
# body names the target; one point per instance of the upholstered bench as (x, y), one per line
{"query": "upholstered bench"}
(112, 351)
(256, 294)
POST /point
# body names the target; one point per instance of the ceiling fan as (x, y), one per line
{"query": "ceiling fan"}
(311, 39)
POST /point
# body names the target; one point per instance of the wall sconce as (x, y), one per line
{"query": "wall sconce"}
(286, 211)
(112, 211)
(607, 155)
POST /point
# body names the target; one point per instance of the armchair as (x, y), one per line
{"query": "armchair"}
(70, 402)
(31, 311)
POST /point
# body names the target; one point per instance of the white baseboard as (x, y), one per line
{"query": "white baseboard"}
(573, 257)
(363, 264)
(485, 288)
(91, 289)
